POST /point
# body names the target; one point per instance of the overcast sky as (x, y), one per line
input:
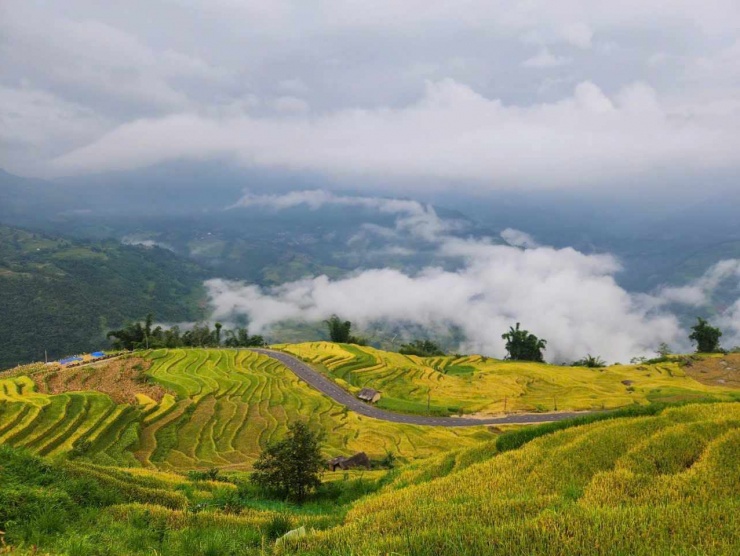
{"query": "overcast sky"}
(489, 94)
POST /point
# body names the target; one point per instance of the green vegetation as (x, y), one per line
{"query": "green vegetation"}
(705, 336)
(422, 348)
(223, 408)
(173, 476)
(447, 385)
(521, 345)
(69, 507)
(62, 295)
(591, 361)
(660, 484)
(341, 331)
(291, 467)
(138, 336)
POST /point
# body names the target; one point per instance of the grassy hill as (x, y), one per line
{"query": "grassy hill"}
(111, 458)
(649, 485)
(62, 295)
(221, 407)
(657, 484)
(474, 384)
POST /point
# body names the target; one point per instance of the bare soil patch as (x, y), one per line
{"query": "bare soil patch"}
(121, 379)
(716, 371)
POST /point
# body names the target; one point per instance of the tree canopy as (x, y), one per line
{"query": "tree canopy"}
(137, 336)
(705, 336)
(521, 345)
(592, 361)
(292, 467)
(422, 348)
(340, 331)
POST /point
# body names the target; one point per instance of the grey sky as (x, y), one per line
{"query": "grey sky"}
(487, 93)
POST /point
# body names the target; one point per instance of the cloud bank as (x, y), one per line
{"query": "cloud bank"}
(565, 296)
(451, 132)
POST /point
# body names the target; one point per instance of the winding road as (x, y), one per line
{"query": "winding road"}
(341, 396)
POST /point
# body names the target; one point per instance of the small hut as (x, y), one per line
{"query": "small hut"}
(360, 459)
(369, 395)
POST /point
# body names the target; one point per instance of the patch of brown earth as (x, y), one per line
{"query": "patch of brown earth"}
(716, 371)
(121, 379)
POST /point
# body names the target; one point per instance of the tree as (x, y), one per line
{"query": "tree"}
(592, 361)
(706, 337)
(217, 333)
(339, 331)
(422, 348)
(664, 350)
(291, 467)
(523, 346)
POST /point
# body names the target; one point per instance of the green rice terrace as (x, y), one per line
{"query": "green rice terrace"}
(150, 453)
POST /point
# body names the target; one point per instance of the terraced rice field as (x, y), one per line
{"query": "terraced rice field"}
(476, 384)
(665, 484)
(50, 425)
(222, 408)
(231, 403)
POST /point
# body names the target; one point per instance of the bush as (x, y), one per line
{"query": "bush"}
(277, 526)
(211, 474)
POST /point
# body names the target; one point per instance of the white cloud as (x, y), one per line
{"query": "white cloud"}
(290, 105)
(699, 292)
(452, 132)
(138, 64)
(517, 238)
(294, 86)
(546, 59)
(729, 323)
(414, 218)
(34, 124)
(567, 297)
(578, 34)
(85, 57)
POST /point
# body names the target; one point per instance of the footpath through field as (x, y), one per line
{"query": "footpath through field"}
(341, 396)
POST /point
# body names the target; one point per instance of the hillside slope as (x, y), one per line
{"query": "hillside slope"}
(222, 408)
(62, 295)
(665, 482)
(476, 384)
(648, 485)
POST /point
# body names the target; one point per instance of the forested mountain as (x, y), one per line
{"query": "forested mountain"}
(62, 295)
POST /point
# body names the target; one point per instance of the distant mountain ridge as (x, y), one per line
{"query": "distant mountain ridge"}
(61, 295)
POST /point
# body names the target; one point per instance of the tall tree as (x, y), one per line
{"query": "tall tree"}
(705, 336)
(521, 345)
(339, 331)
(291, 467)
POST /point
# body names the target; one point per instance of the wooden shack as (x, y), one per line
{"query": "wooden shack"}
(369, 395)
(360, 459)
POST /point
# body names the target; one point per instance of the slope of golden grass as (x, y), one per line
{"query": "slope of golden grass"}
(649, 485)
(476, 384)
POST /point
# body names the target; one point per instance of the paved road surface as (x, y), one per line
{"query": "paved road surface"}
(341, 396)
